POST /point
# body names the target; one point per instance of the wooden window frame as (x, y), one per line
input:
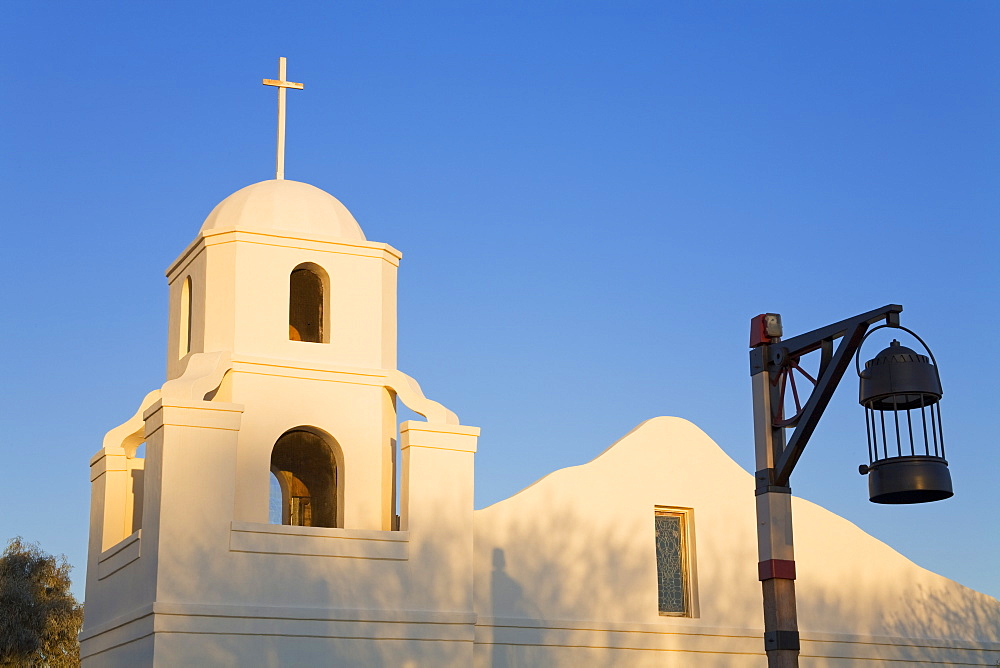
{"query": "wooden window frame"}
(687, 555)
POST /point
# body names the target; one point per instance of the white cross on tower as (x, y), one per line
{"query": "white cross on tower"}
(282, 85)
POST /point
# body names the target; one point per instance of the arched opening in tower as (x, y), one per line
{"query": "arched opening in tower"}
(305, 305)
(305, 468)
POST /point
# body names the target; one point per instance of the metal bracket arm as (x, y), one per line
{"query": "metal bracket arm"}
(810, 341)
(832, 368)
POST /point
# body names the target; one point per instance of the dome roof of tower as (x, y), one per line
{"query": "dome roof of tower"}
(289, 206)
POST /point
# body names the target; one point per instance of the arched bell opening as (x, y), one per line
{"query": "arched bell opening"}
(184, 325)
(279, 499)
(135, 464)
(306, 466)
(307, 304)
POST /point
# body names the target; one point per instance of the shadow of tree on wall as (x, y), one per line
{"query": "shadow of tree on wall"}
(552, 585)
(937, 619)
(942, 630)
(507, 596)
(851, 583)
(977, 616)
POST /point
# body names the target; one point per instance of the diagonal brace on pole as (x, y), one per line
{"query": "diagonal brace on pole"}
(832, 368)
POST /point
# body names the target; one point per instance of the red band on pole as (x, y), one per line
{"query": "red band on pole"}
(776, 568)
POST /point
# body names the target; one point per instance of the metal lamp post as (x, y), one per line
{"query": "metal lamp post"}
(900, 390)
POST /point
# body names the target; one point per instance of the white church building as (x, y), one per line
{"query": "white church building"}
(262, 526)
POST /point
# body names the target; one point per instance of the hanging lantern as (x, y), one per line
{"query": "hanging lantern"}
(901, 391)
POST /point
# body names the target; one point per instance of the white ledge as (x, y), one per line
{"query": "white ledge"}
(361, 615)
(319, 541)
(693, 627)
(119, 555)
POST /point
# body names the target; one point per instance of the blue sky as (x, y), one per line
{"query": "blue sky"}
(592, 199)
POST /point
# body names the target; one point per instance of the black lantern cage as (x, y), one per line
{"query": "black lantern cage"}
(901, 392)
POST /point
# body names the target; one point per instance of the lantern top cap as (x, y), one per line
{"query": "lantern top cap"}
(897, 353)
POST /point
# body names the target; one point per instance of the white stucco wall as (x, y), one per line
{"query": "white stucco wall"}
(566, 569)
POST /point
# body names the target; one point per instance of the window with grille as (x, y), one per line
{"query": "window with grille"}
(673, 561)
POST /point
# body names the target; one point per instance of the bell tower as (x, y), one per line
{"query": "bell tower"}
(282, 278)
(266, 499)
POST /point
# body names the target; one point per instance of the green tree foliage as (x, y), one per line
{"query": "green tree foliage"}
(39, 617)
